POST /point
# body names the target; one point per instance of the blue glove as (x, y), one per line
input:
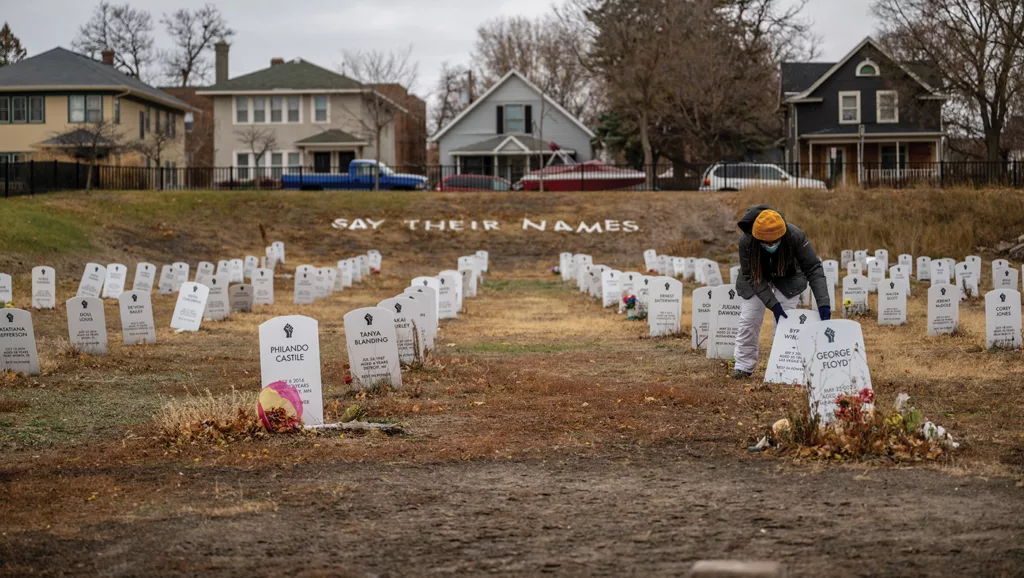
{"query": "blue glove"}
(779, 311)
(825, 312)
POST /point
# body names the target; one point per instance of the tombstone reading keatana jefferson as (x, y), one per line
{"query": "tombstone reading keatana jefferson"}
(44, 287)
(700, 316)
(405, 331)
(145, 277)
(113, 285)
(836, 363)
(786, 363)
(725, 318)
(290, 352)
(372, 348)
(240, 298)
(18, 342)
(6, 290)
(87, 325)
(943, 309)
(91, 284)
(188, 311)
(1002, 319)
(892, 303)
(137, 318)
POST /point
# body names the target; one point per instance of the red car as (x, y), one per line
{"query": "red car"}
(473, 183)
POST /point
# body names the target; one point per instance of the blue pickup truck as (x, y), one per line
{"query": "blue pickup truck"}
(359, 177)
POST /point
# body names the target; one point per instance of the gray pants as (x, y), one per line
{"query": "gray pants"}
(748, 334)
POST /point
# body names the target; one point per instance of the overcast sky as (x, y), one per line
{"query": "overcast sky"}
(321, 30)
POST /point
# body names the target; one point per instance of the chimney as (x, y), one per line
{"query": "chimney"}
(220, 50)
(276, 61)
(108, 57)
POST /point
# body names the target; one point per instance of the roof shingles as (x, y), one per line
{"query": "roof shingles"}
(294, 75)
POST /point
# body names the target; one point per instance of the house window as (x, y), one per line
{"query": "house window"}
(117, 111)
(276, 161)
(36, 109)
(5, 109)
(867, 68)
(259, 109)
(94, 108)
(887, 106)
(148, 129)
(142, 125)
(189, 122)
(18, 112)
(293, 109)
(76, 108)
(892, 160)
(293, 163)
(275, 109)
(320, 108)
(515, 119)
(242, 162)
(849, 107)
(241, 110)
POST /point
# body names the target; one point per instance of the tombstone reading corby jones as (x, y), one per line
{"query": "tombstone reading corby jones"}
(87, 325)
(44, 287)
(6, 289)
(836, 363)
(137, 318)
(145, 277)
(943, 309)
(166, 284)
(18, 342)
(786, 364)
(263, 287)
(290, 352)
(372, 348)
(91, 284)
(610, 293)
(1002, 319)
(113, 285)
(240, 297)
(892, 303)
(217, 307)
(405, 332)
(188, 311)
(665, 305)
(855, 295)
(700, 315)
(725, 319)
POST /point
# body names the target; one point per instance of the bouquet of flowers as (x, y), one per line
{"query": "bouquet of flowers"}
(556, 270)
(630, 301)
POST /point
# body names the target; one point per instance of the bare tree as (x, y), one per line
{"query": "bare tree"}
(194, 33)
(375, 68)
(453, 85)
(976, 47)
(89, 142)
(123, 29)
(11, 50)
(155, 145)
(259, 141)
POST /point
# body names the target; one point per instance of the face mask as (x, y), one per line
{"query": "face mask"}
(772, 248)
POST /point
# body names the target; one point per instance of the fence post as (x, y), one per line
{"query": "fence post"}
(55, 169)
(300, 176)
(32, 177)
(78, 174)
(160, 175)
(231, 177)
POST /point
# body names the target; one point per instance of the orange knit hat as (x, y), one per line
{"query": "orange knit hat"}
(769, 226)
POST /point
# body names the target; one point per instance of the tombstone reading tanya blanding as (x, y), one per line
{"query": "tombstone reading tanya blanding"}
(18, 342)
(725, 319)
(665, 306)
(137, 318)
(835, 363)
(44, 287)
(892, 303)
(145, 277)
(188, 311)
(372, 348)
(262, 287)
(87, 325)
(91, 284)
(240, 298)
(786, 363)
(1002, 319)
(405, 330)
(290, 352)
(943, 309)
(6, 290)
(113, 285)
(700, 318)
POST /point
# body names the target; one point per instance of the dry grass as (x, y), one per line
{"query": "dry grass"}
(208, 417)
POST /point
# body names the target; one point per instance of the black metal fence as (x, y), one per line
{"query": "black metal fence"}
(36, 177)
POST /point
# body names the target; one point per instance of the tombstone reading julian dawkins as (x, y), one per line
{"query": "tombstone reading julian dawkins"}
(290, 352)
(18, 342)
(786, 363)
(372, 348)
(188, 311)
(1002, 319)
(725, 320)
(87, 325)
(836, 363)
(137, 318)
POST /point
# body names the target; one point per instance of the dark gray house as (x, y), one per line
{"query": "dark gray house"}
(866, 117)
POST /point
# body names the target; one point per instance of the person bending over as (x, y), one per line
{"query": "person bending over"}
(776, 264)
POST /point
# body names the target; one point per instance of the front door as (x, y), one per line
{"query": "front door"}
(321, 162)
(344, 159)
(837, 165)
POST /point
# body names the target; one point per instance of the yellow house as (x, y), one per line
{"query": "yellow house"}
(45, 98)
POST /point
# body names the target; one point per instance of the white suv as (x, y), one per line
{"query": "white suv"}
(739, 176)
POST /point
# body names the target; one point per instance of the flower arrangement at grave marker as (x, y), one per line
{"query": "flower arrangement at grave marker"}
(280, 406)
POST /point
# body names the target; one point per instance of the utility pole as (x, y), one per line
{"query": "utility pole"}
(540, 137)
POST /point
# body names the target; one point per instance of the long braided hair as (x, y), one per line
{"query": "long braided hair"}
(756, 255)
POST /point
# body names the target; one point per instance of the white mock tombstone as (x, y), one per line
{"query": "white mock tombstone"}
(845, 256)
(663, 265)
(345, 272)
(1002, 319)
(699, 271)
(974, 262)
(835, 363)
(725, 319)
(218, 307)
(564, 268)
(205, 270)
(278, 249)
(712, 274)
(180, 276)
(435, 284)
(93, 277)
(166, 284)
(6, 289)
(252, 263)
(907, 262)
(689, 267)
(405, 330)
(290, 352)
(44, 288)
(332, 279)
(87, 325)
(415, 308)
(240, 298)
(145, 277)
(236, 270)
(188, 311)
(610, 292)
(943, 309)
(426, 298)
(372, 348)
(700, 318)
(678, 267)
(581, 262)
(357, 271)
(18, 351)
(304, 269)
(892, 303)
(262, 287)
(786, 363)
(939, 272)
(468, 282)
(966, 280)
(454, 277)
(485, 260)
(862, 258)
(734, 274)
(1007, 278)
(374, 260)
(113, 284)
(855, 295)
(364, 265)
(650, 261)
(447, 297)
(593, 280)
(883, 256)
(854, 268)
(831, 269)
(305, 288)
(876, 274)
(628, 283)
(924, 269)
(137, 317)
(901, 275)
(321, 283)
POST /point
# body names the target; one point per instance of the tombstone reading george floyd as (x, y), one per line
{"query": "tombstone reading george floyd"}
(217, 307)
(943, 309)
(924, 269)
(113, 285)
(91, 284)
(305, 290)
(700, 315)
(6, 289)
(665, 306)
(1006, 278)
(188, 311)
(372, 348)
(786, 364)
(1002, 319)
(855, 295)
(263, 287)
(44, 287)
(137, 318)
(892, 303)
(18, 342)
(405, 331)
(166, 285)
(610, 294)
(145, 277)
(87, 325)
(835, 363)
(240, 298)
(725, 318)
(290, 352)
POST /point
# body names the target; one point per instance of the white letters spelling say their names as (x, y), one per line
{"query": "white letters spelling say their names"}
(44, 288)
(372, 348)
(1002, 319)
(91, 284)
(18, 342)
(786, 364)
(188, 311)
(666, 306)
(290, 352)
(113, 286)
(835, 363)
(137, 318)
(943, 309)
(87, 325)
(725, 319)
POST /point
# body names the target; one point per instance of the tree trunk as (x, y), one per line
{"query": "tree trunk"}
(88, 177)
(993, 136)
(645, 142)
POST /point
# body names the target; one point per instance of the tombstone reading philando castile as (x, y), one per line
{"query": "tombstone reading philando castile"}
(372, 348)
(1002, 319)
(18, 351)
(835, 363)
(290, 352)
(44, 287)
(145, 277)
(943, 309)
(87, 325)
(188, 311)
(700, 318)
(93, 277)
(786, 364)
(137, 318)
(725, 318)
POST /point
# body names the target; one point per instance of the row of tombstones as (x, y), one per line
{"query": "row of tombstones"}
(400, 331)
